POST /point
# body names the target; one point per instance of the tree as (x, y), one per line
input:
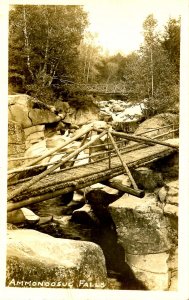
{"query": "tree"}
(150, 39)
(43, 45)
(89, 56)
(157, 71)
(171, 41)
(111, 68)
(132, 75)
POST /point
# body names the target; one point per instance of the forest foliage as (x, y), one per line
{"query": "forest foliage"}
(50, 50)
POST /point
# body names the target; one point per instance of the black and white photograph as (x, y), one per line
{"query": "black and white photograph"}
(95, 175)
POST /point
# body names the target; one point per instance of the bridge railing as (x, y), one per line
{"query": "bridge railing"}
(105, 88)
(108, 149)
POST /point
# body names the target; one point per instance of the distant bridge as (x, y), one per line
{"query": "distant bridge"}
(118, 89)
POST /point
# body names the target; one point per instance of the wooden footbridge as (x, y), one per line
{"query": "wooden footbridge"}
(112, 89)
(117, 157)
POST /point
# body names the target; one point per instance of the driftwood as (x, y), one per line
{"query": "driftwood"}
(26, 185)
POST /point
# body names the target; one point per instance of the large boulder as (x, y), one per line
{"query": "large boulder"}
(101, 195)
(147, 179)
(149, 238)
(36, 150)
(168, 166)
(161, 120)
(169, 193)
(105, 116)
(140, 224)
(85, 215)
(35, 259)
(29, 112)
(22, 215)
(81, 115)
(34, 134)
(117, 108)
(168, 196)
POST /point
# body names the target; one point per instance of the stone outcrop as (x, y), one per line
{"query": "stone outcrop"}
(16, 144)
(37, 149)
(34, 134)
(168, 166)
(35, 259)
(30, 112)
(77, 115)
(147, 179)
(85, 215)
(22, 215)
(157, 121)
(169, 193)
(149, 237)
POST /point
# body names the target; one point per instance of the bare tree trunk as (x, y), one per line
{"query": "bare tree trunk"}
(26, 41)
(85, 64)
(152, 72)
(47, 44)
(89, 65)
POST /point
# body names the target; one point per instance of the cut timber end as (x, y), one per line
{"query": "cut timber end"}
(121, 187)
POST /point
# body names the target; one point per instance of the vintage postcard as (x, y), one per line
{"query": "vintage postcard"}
(95, 148)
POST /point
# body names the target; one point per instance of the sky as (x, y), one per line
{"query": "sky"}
(119, 22)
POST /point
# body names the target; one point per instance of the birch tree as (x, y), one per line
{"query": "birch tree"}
(149, 27)
(44, 40)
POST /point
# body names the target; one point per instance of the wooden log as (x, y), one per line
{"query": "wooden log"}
(156, 129)
(140, 146)
(82, 143)
(26, 185)
(36, 199)
(124, 188)
(123, 163)
(138, 139)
